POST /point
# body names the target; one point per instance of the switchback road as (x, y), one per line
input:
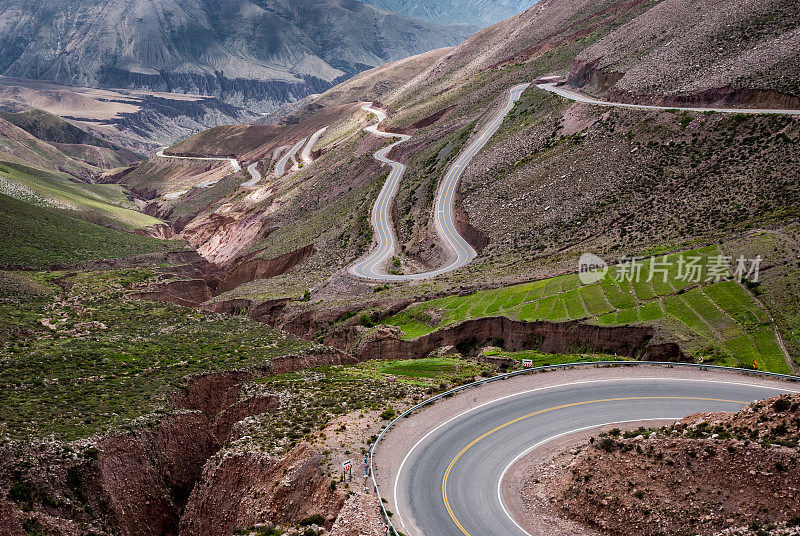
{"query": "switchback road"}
(280, 167)
(372, 266)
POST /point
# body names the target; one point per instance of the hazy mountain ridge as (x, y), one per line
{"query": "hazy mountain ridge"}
(477, 12)
(261, 53)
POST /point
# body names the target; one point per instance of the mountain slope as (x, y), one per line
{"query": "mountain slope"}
(137, 120)
(475, 12)
(684, 51)
(262, 52)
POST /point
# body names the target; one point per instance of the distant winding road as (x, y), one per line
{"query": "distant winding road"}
(280, 167)
(372, 266)
(235, 166)
(450, 482)
(579, 97)
(255, 175)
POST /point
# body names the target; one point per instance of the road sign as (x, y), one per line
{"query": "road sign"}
(527, 363)
(347, 469)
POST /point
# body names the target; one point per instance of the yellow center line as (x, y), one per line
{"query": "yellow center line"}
(529, 415)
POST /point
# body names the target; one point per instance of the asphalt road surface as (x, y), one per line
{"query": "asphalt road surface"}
(208, 184)
(280, 167)
(450, 482)
(575, 96)
(256, 176)
(372, 266)
(234, 163)
(305, 155)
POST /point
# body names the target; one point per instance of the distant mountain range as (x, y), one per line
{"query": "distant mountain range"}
(253, 53)
(474, 12)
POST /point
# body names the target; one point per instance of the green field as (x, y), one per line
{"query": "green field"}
(102, 203)
(719, 321)
(104, 360)
(538, 359)
(35, 236)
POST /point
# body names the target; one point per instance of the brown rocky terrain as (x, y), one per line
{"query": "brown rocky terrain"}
(145, 481)
(140, 121)
(741, 52)
(706, 474)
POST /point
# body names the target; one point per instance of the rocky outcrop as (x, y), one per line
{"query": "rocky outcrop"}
(219, 238)
(476, 238)
(241, 489)
(189, 293)
(548, 337)
(705, 474)
(282, 365)
(162, 231)
(250, 269)
(587, 74)
(200, 281)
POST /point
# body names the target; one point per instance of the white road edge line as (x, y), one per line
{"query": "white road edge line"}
(540, 443)
(580, 382)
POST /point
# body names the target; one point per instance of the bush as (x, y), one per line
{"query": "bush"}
(388, 414)
(607, 444)
(781, 405)
(21, 493)
(316, 519)
(366, 321)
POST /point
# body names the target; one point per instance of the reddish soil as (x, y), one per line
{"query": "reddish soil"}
(140, 483)
(705, 474)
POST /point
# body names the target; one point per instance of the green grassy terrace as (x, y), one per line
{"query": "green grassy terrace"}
(36, 236)
(719, 321)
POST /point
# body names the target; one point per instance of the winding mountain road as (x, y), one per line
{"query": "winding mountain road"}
(233, 162)
(450, 481)
(579, 97)
(254, 173)
(280, 167)
(235, 166)
(372, 266)
(305, 154)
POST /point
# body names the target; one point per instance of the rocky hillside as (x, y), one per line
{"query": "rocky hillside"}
(706, 474)
(79, 160)
(260, 54)
(473, 12)
(559, 178)
(700, 51)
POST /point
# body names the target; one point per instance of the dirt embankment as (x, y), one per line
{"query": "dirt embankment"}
(144, 483)
(548, 337)
(240, 489)
(706, 474)
(386, 342)
(197, 282)
(249, 268)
